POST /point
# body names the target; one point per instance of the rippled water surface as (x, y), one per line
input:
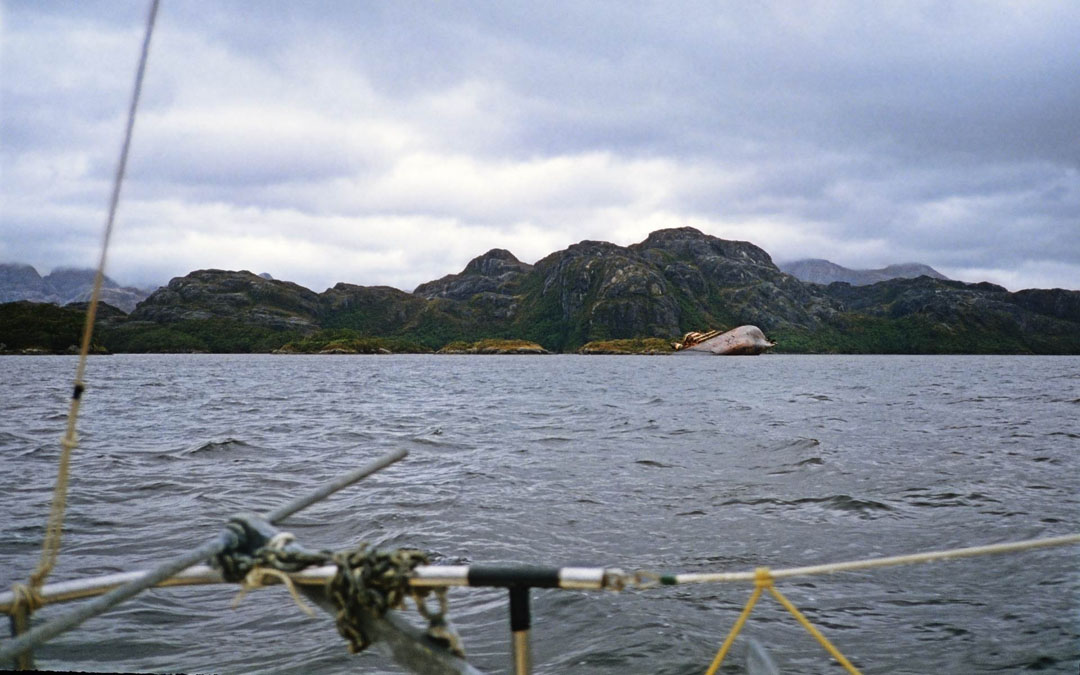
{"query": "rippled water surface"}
(657, 463)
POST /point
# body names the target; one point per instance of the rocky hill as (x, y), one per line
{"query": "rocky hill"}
(494, 272)
(818, 271)
(235, 296)
(63, 286)
(675, 281)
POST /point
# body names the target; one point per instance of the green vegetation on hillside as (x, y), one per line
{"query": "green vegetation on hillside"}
(855, 334)
(344, 340)
(36, 325)
(222, 336)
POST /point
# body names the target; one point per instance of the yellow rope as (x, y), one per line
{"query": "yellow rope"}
(256, 578)
(813, 630)
(50, 548)
(722, 654)
(28, 597)
(763, 579)
(27, 600)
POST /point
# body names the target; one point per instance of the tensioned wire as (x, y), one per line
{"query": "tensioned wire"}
(50, 549)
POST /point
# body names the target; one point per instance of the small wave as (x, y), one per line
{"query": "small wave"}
(929, 602)
(952, 499)
(554, 440)
(10, 439)
(847, 503)
(156, 486)
(217, 447)
(798, 444)
(792, 468)
(47, 448)
(651, 462)
(939, 631)
(432, 442)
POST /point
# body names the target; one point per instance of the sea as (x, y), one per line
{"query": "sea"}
(664, 464)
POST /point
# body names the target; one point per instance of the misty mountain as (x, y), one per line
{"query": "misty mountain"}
(63, 286)
(818, 271)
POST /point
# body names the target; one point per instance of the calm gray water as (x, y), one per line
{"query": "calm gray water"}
(667, 464)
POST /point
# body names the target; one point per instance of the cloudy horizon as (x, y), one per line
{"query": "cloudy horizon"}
(390, 143)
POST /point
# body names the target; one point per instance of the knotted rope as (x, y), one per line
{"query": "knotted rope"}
(370, 582)
(366, 584)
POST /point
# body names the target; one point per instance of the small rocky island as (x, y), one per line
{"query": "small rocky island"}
(493, 347)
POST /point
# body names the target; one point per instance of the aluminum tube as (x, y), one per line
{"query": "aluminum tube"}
(582, 578)
(440, 575)
(424, 576)
(87, 588)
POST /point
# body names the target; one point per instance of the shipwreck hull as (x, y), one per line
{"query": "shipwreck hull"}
(741, 341)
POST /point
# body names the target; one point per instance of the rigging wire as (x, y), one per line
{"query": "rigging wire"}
(50, 548)
(51, 545)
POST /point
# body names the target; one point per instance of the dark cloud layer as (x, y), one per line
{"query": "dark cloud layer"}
(389, 142)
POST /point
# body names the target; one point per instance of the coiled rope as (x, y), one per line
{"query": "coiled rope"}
(28, 595)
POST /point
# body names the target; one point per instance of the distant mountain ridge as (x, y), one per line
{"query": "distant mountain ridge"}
(63, 286)
(675, 281)
(819, 271)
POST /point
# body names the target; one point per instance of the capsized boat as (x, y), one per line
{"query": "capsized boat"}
(741, 341)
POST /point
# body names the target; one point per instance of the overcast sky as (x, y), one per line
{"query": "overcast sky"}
(390, 142)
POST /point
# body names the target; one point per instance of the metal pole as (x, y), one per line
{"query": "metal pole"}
(424, 576)
(300, 503)
(520, 622)
(78, 589)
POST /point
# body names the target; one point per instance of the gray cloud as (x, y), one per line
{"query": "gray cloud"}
(389, 143)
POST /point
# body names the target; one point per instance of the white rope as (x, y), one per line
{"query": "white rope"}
(873, 563)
